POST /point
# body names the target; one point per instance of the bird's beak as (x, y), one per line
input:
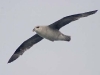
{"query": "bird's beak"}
(33, 29)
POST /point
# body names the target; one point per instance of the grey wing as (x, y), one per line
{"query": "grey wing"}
(24, 46)
(66, 20)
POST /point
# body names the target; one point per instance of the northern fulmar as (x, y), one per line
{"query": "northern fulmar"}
(50, 32)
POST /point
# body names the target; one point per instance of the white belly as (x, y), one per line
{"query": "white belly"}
(49, 34)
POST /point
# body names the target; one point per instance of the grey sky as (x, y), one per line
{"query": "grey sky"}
(80, 56)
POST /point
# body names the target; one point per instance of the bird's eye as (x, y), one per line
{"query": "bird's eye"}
(37, 27)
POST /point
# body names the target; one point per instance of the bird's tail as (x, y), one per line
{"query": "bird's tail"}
(67, 38)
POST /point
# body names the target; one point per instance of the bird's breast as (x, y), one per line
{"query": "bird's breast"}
(49, 33)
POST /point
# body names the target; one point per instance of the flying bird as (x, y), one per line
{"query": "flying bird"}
(50, 32)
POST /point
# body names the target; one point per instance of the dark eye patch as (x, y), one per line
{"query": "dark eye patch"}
(37, 27)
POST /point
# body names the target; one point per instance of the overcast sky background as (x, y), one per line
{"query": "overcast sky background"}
(80, 56)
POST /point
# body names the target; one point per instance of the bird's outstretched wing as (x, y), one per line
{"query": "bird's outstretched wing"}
(66, 20)
(24, 46)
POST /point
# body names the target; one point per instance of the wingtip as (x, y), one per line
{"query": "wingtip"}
(8, 62)
(94, 11)
(89, 13)
(13, 57)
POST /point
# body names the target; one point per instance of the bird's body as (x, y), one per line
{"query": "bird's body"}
(50, 32)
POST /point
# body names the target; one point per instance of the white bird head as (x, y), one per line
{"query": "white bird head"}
(37, 28)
